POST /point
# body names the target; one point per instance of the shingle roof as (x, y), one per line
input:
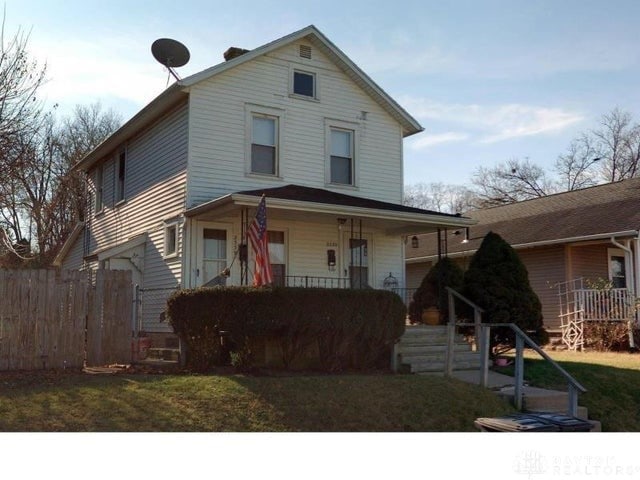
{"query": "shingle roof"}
(319, 195)
(599, 210)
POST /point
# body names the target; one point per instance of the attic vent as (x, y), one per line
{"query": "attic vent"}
(305, 51)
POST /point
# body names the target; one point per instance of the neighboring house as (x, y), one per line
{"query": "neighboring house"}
(566, 241)
(173, 190)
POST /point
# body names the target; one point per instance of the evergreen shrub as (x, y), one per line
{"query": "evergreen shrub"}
(498, 281)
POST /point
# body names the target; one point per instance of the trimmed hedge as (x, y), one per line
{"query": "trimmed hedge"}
(352, 329)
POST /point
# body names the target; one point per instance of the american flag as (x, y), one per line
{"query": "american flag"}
(260, 243)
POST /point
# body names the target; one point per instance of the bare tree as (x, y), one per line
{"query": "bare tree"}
(20, 117)
(511, 182)
(439, 197)
(80, 133)
(616, 142)
(576, 168)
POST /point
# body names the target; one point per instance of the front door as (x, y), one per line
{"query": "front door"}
(357, 259)
(213, 254)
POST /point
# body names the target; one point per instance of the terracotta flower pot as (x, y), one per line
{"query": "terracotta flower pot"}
(431, 316)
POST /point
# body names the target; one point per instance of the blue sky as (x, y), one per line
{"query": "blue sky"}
(488, 80)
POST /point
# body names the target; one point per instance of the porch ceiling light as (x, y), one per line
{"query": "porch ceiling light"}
(415, 243)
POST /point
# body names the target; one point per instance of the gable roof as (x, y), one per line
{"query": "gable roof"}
(600, 212)
(178, 91)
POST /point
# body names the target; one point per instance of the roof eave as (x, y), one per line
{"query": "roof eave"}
(541, 243)
(166, 100)
(410, 125)
(66, 246)
(335, 209)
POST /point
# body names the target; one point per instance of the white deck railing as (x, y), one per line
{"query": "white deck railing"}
(606, 305)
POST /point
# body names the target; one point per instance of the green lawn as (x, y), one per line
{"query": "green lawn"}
(350, 403)
(612, 381)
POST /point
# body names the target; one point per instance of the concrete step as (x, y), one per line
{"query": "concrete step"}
(408, 349)
(414, 329)
(434, 366)
(422, 357)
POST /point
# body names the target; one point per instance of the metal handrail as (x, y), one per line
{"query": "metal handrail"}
(482, 339)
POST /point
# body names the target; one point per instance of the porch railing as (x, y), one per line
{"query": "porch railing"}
(406, 294)
(483, 336)
(307, 281)
(611, 304)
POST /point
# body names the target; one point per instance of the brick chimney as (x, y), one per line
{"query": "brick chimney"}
(233, 52)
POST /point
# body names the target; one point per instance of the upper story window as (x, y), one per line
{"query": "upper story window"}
(171, 240)
(341, 156)
(121, 169)
(264, 144)
(304, 83)
(99, 188)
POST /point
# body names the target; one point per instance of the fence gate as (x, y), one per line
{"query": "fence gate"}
(51, 319)
(109, 319)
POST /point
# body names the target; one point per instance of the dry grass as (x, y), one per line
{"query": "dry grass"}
(169, 403)
(612, 381)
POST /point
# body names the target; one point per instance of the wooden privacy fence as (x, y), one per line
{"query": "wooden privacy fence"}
(59, 319)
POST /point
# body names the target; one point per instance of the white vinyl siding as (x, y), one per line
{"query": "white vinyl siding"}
(218, 140)
(73, 260)
(155, 188)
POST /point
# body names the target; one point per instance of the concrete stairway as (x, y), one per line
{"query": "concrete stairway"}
(423, 348)
(533, 399)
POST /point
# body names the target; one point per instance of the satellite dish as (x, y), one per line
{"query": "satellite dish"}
(170, 53)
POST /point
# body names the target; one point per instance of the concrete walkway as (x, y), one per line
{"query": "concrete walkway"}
(496, 380)
(533, 398)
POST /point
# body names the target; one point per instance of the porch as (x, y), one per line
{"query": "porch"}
(316, 238)
(579, 305)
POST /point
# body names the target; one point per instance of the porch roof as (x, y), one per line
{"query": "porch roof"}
(297, 202)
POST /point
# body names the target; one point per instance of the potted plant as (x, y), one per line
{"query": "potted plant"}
(430, 303)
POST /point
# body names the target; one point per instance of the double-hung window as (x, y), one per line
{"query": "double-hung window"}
(341, 156)
(264, 144)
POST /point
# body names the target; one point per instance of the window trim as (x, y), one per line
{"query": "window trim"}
(120, 178)
(316, 83)
(331, 125)
(277, 114)
(99, 184)
(176, 235)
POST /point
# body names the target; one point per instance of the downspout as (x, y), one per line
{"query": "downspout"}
(629, 261)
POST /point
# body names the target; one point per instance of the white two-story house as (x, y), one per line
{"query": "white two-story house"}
(173, 190)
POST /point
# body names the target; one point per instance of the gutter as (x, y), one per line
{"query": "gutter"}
(629, 263)
(541, 243)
